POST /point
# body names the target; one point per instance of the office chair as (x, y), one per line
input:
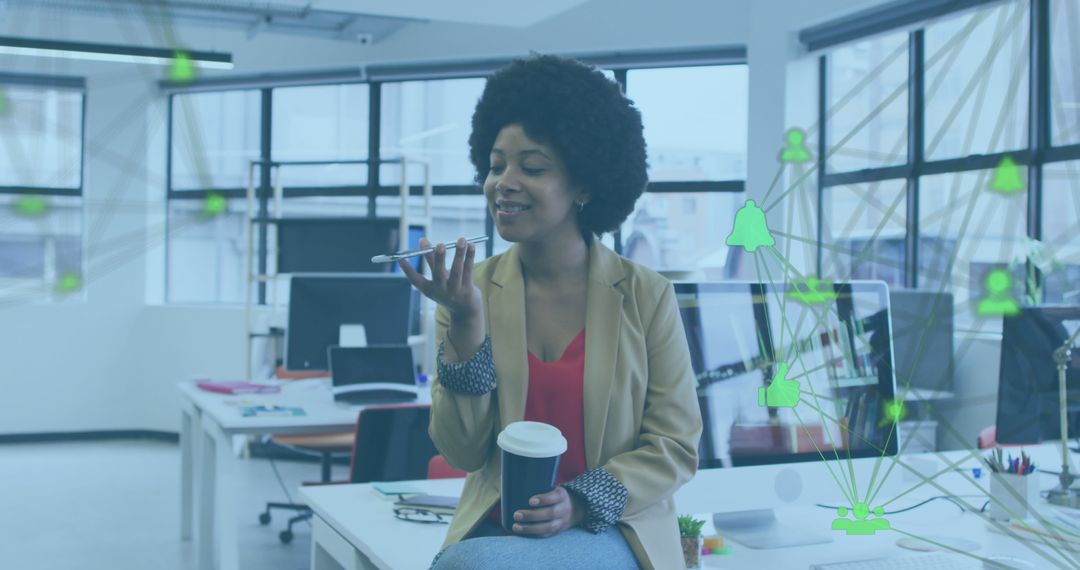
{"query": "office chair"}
(391, 444)
(326, 446)
(438, 468)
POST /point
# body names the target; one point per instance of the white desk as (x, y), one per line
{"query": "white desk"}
(355, 529)
(208, 487)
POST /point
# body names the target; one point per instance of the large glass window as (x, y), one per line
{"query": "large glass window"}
(40, 137)
(215, 135)
(695, 126)
(206, 255)
(863, 231)
(1065, 77)
(41, 207)
(977, 82)
(867, 104)
(429, 120)
(695, 121)
(321, 123)
(972, 211)
(967, 230)
(682, 233)
(1061, 236)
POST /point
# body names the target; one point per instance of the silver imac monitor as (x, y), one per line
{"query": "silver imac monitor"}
(789, 374)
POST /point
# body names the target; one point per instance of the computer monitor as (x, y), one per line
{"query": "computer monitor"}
(922, 337)
(1028, 409)
(340, 245)
(741, 334)
(813, 445)
(320, 305)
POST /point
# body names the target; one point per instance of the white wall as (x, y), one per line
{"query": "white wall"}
(112, 361)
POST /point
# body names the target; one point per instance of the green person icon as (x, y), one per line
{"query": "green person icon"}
(861, 525)
(998, 302)
(781, 393)
(795, 151)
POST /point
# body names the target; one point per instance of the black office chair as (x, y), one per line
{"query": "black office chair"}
(391, 443)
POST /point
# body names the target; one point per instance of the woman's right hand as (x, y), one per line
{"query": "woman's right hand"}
(453, 289)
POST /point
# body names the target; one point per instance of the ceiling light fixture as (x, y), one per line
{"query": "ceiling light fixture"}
(112, 53)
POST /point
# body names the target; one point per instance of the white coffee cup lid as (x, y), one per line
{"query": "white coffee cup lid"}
(532, 439)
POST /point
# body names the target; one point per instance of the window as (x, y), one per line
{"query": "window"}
(323, 123)
(695, 126)
(41, 205)
(966, 229)
(1061, 216)
(1065, 81)
(662, 234)
(431, 120)
(695, 121)
(867, 94)
(977, 82)
(215, 135)
(864, 226)
(206, 256)
(967, 193)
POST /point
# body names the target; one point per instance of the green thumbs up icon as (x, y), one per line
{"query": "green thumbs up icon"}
(781, 393)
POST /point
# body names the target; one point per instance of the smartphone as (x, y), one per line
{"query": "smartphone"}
(415, 252)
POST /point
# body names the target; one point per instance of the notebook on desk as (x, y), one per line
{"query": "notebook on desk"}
(372, 374)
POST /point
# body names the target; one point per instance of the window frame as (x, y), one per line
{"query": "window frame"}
(375, 76)
(1037, 153)
(72, 83)
(68, 83)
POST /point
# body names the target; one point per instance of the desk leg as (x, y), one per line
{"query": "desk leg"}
(206, 486)
(189, 430)
(222, 487)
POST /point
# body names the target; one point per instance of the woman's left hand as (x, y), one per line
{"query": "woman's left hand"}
(550, 514)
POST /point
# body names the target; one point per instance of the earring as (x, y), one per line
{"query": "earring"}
(580, 207)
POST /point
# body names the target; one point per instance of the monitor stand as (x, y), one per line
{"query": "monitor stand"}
(760, 529)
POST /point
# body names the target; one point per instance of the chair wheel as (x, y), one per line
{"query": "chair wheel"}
(286, 536)
(264, 518)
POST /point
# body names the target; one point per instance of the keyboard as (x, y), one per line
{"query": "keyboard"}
(928, 561)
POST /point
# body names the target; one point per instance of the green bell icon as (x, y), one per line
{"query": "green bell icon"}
(750, 231)
(1007, 178)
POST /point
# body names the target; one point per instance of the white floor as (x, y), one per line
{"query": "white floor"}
(116, 505)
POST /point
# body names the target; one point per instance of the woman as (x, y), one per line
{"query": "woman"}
(560, 329)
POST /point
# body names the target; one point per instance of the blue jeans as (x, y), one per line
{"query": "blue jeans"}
(489, 549)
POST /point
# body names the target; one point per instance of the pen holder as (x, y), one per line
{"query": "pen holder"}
(1012, 496)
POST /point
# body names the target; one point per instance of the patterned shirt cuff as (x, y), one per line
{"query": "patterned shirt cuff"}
(604, 496)
(475, 376)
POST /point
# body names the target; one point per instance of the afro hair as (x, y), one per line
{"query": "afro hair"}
(580, 113)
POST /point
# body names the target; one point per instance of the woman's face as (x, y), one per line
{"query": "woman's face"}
(528, 191)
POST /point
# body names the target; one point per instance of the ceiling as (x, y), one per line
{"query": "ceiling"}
(511, 13)
(366, 21)
(254, 17)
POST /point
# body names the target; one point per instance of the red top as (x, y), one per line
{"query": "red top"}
(556, 397)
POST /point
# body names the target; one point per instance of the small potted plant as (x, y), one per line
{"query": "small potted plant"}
(690, 532)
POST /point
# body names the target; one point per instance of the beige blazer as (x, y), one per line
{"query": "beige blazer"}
(642, 421)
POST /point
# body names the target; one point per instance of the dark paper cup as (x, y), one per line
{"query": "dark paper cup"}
(530, 458)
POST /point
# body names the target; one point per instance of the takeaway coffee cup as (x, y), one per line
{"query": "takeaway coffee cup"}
(530, 458)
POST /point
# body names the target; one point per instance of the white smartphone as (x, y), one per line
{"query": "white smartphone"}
(415, 252)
